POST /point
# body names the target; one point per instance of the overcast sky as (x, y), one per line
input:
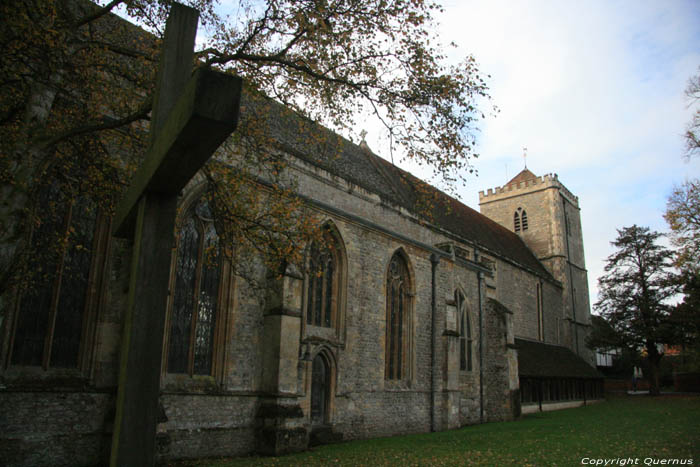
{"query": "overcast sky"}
(595, 91)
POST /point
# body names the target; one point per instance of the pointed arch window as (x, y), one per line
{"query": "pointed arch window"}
(520, 222)
(323, 282)
(465, 333)
(195, 300)
(398, 317)
(55, 311)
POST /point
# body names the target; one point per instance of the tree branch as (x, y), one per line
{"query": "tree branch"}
(99, 13)
(106, 124)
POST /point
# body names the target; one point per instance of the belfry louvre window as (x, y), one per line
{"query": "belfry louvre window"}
(323, 283)
(51, 326)
(195, 299)
(520, 220)
(465, 333)
(397, 318)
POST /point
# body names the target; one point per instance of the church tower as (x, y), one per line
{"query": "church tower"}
(546, 215)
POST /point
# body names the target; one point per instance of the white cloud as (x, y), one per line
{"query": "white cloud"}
(595, 91)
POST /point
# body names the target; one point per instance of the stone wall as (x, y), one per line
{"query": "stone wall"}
(44, 428)
(555, 235)
(262, 385)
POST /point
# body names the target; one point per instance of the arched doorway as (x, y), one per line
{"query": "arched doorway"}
(320, 390)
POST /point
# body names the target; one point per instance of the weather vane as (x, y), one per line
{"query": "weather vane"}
(363, 133)
(525, 156)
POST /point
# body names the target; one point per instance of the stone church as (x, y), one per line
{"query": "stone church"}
(402, 322)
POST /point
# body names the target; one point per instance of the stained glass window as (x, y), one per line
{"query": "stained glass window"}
(193, 313)
(322, 285)
(397, 314)
(465, 333)
(52, 304)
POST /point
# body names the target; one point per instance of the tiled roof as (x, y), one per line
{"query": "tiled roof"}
(540, 360)
(523, 176)
(321, 147)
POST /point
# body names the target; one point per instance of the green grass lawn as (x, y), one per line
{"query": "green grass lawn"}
(640, 427)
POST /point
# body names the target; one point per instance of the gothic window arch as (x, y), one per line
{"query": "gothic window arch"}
(520, 222)
(324, 288)
(466, 337)
(195, 309)
(55, 310)
(398, 319)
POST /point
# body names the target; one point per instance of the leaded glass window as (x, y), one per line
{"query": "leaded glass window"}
(397, 316)
(52, 305)
(323, 283)
(465, 333)
(193, 314)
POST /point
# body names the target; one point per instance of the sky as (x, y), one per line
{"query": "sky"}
(595, 91)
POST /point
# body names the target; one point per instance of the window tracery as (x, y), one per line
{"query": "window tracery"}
(520, 222)
(465, 333)
(55, 306)
(397, 318)
(323, 283)
(194, 308)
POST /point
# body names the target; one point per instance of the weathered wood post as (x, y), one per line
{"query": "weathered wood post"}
(192, 116)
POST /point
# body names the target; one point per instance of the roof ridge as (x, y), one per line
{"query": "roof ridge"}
(373, 159)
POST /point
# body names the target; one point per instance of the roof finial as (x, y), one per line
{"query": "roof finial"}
(363, 143)
(525, 156)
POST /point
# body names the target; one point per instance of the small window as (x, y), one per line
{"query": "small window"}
(520, 220)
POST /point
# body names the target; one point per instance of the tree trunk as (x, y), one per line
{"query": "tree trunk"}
(654, 358)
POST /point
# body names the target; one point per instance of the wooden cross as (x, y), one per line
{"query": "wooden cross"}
(192, 115)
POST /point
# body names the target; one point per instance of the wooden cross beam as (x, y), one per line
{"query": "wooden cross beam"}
(197, 125)
(192, 116)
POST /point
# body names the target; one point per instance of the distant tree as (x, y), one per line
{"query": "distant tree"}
(685, 318)
(602, 336)
(683, 217)
(692, 132)
(634, 295)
